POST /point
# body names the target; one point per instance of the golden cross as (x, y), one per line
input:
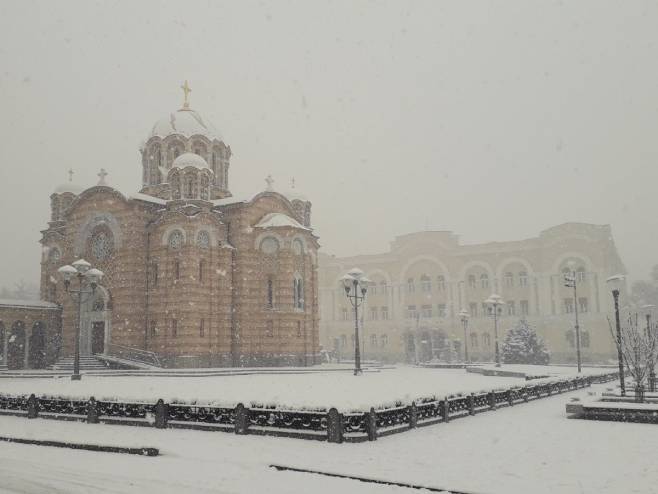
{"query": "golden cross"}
(186, 89)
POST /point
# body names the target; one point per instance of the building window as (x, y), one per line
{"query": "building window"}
(54, 255)
(568, 306)
(486, 340)
(372, 290)
(581, 276)
(382, 287)
(298, 247)
(102, 245)
(270, 293)
(154, 274)
(484, 281)
(384, 312)
(582, 304)
(523, 278)
(343, 340)
(176, 240)
(176, 269)
(299, 329)
(154, 328)
(442, 310)
(201, 269)
(471, 281)
(584, 339)
(525, 308)
(511, 309)
(269, 246)
(441, 283)
(425, 283)
(509, 280)
(298, 291)
(345, 314)
(411, 288)
(411, 312)
(384, 340)
(474, 340)
(473, 309)
(203, 239)
(269, 329)
(426, 311)
(373, 340)
(571, 338)
(373, 313)
(202, 328)
(174, 328)
(486, 310)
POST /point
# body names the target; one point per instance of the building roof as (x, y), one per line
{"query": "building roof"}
(276, 220)
(187, 123)
(68, 187)
(190, 159)
(29, 304)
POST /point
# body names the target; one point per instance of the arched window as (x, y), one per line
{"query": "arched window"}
(298, 247)
(202, 328)
(581, 275)
(298, 290)
(425, 283)
(270, 293)
(411, 287)
(484, 280)
(189, 188)
(176, 240)
(204, 188)
(523, 278)
(474, 340)
(54, 255)
(202, 267)
(509, 279)
(175, 186)
(269, 245)
(441, 283)
(176, 269)
(471, 281)
(203, 239)
(102, 244)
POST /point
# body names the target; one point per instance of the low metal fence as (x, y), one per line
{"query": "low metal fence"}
(325, 425)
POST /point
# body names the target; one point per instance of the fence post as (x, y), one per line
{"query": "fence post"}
(491, 396)
(161, 414)
(510, 399)
(32, 407)
(445, 409)
(549, 387)
(371, 425)
(413, 415)
(92, 411)
(471, 404)
(241, 419)
(334, 426)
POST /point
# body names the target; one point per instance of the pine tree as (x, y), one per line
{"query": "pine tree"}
(523, 346)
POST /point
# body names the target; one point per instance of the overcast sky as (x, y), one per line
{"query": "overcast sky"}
(494, 120)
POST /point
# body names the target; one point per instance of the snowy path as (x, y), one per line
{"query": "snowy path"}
(530, 448)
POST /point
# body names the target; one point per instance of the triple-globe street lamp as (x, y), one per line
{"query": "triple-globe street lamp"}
(88, 280)
(356, 287)
(651, 337)
(463, 315)
(615, 283)
(494, 301)
(570, 281)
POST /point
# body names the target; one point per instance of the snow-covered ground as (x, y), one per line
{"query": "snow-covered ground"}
(530, 448)
(332, 389)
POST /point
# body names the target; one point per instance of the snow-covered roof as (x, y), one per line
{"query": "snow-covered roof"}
(147, 198)
(37, 304)
(186, 123)
(68, 187)
(189, 159)
(274, 220)
(228, 200)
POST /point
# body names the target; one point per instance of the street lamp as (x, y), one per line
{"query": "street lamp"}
(570, 281)
(463, 315)
(87, 277)
(356, 287)
(494, 301)
(615, 283)
(651, 338)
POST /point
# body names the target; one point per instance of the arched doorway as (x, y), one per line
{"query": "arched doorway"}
(96, 320)
(37, 347)
(16, 346)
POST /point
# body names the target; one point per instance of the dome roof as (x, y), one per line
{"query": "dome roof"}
(187, 123)
(189, 159)
(69, 187)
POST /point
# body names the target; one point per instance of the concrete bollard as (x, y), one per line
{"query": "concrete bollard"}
(334, 426)
(161, 414)
(371, 425)
(32, 407)
(445, 409)
(471, 404)
(241, 419)
(92, 411)
(413, 415)
(510, 398)
(491, 397)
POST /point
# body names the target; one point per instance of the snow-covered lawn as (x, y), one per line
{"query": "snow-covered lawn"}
(550, 370)
(531, 448)
(332, 389)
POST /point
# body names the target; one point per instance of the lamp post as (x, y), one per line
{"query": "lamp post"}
(651, 338)
(356, 287)
(570, 281)
(615, 283)
(87, 277)
(463, 315)
(494, 302)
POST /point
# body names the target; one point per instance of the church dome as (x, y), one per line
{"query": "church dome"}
(189, 159)
(187, 123)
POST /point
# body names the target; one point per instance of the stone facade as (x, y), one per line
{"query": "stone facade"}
(191, 273)
(426, 278)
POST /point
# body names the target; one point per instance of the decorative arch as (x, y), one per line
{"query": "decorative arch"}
(412, 261)
(471, 264)
(98, 219)
(263, 235)
(170, 230)
(510, 260)
(573, 254)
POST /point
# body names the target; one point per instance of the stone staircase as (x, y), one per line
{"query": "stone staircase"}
(87, 363)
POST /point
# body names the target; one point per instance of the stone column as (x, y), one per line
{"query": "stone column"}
(26, 359)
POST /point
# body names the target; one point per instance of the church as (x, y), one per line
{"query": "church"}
(193, 277)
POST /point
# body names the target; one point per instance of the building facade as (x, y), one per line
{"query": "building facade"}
(193, 274)
(423, 282)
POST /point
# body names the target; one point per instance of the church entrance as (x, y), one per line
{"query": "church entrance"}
(97, 337)
(16, 346)
(37, 347)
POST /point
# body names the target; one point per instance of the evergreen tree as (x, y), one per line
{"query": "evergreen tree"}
(523, 346)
